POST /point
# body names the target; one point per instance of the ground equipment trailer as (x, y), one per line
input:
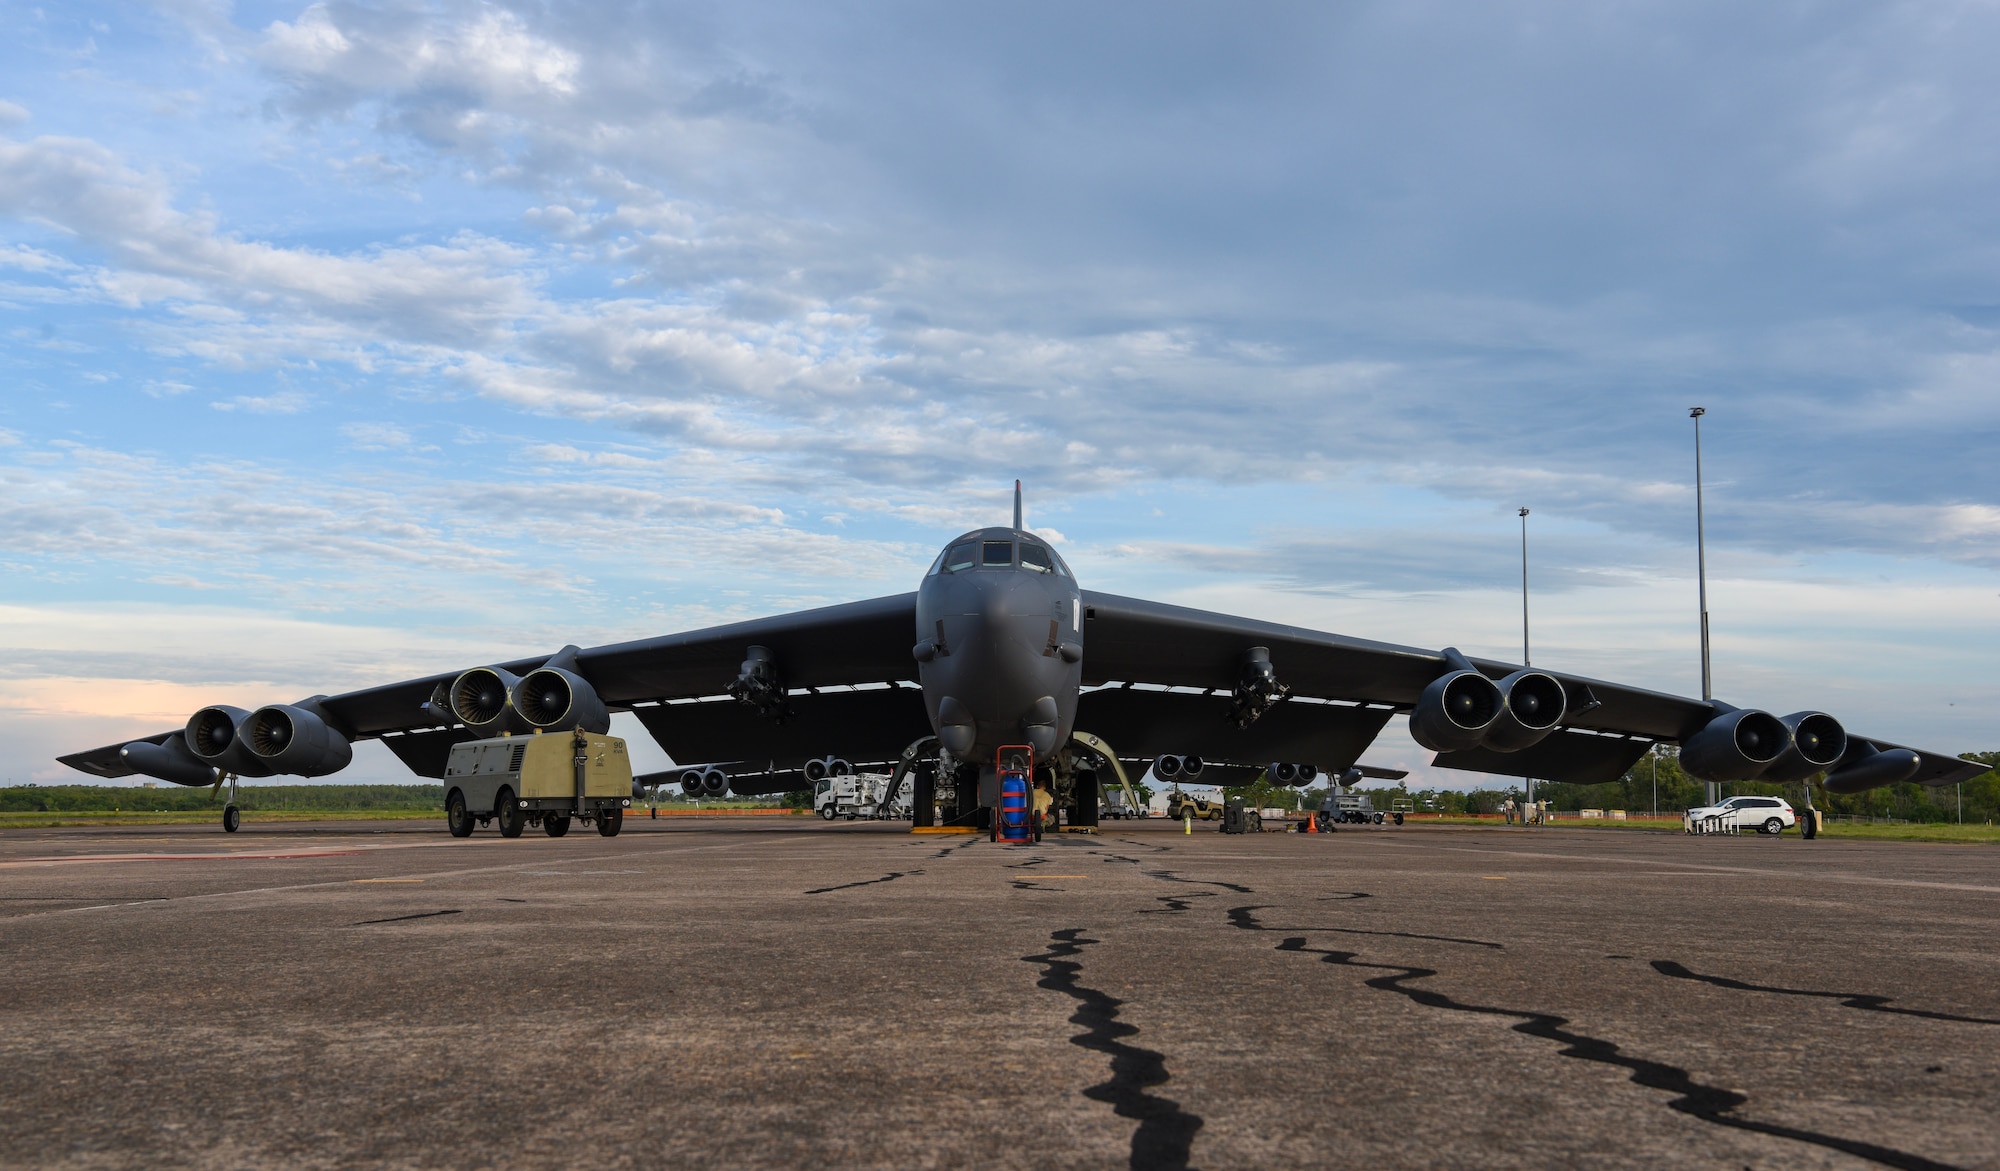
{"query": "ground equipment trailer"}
(859, 795)
(1351, 809)
(546, 780)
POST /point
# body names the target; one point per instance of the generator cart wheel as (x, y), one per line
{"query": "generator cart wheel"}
(610, 822)
(555, 826)
(826, 812)
(507, 811)
(1774, 827)
(456, 819)
(231, 818)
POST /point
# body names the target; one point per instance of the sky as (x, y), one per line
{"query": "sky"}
(344, 342)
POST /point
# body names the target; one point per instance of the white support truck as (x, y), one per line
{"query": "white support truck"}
(547, 779)
(858, 796)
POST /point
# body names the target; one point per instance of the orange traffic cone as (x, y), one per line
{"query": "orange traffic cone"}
(1312, 824)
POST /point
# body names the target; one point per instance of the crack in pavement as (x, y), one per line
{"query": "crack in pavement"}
(1166, 1132)
(405, 918)
(1178, 903)
(1243, 917)
(892, 876)
(1170, 876)
(1860, 1000)
(1711, 1104)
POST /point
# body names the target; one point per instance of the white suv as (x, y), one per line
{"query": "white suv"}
(1766, 815)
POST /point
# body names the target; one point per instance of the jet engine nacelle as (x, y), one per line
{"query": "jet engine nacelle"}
(1169, 768)
(480, 699)
(1292, 774)
(828, 766)
(293, 740)
(215, 736)
(705, 782)
(1737, 745)
(1532, 703)
(1463, 709)
(551, 699)
(1817, 742)
(1455, 711)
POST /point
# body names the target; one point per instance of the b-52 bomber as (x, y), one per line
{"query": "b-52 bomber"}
(1001, 648)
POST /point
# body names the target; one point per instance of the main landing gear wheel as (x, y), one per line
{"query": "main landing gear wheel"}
(610, 822)
(555, 826)
(1774, 827)
(231, 818)
(507, 811)
(456, 819)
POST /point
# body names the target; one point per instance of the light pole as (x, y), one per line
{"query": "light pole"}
(1654, 752)
(1524, 619)
(1711, 790)
(1524, 589)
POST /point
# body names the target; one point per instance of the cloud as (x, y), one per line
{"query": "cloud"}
(376, 436)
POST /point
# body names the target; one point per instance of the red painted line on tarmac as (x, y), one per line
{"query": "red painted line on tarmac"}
(74, 859)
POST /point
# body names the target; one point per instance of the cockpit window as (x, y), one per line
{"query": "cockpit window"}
(997, 553)
(1035, 557)
(963, 555)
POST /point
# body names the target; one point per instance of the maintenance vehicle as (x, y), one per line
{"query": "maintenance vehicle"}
(858, 796)
(1181, 806)
(1116, 807)
(1351, 809)
(546, 779)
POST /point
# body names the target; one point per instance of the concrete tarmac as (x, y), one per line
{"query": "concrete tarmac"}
(766, 993)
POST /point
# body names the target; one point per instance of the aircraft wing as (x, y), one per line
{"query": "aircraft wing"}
(866, 643)
(1343, 689)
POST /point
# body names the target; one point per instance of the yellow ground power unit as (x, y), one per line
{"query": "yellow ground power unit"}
(546, 780)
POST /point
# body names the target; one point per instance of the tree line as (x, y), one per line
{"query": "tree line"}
(1657, 781)
(137, 799)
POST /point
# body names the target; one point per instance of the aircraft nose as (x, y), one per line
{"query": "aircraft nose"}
(993, 605)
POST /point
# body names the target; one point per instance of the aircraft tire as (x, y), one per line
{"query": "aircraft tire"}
(610, 822)
(555, 826)
(231, 819)
(456, 819)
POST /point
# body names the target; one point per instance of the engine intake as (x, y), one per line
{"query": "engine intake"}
(1737, 745)
(827, 766)
(1456, 710)
(1817, 742)
(554, 700)
(215, 736)
(1533, 703)
(479, 698)
(290, 739)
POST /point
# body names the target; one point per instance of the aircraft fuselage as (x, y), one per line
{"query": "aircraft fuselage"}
(1000, 645)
